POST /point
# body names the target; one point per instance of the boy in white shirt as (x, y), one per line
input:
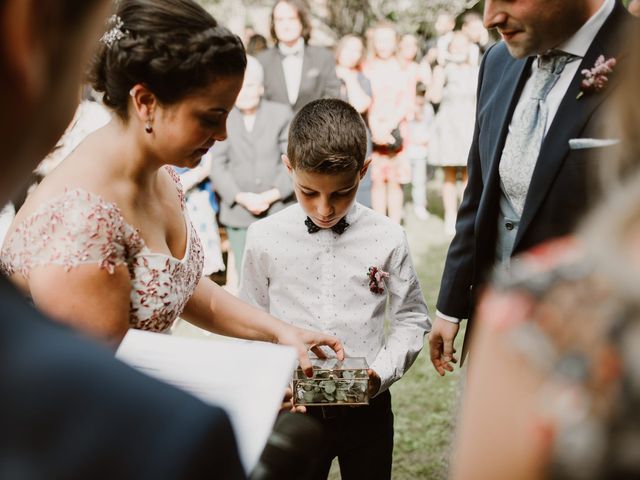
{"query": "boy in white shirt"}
(309, 265)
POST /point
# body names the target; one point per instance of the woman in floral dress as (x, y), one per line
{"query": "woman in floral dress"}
(104, 243)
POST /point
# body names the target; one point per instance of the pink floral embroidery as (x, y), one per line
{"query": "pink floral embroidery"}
(596, 78)
(376, 280)
(79, 228)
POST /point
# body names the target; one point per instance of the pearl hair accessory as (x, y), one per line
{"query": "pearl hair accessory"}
(115, 33)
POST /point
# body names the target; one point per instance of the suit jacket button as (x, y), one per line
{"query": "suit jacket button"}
(509, 226)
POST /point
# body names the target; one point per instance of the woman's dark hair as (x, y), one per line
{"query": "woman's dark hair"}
(173, 47)
(304, 16)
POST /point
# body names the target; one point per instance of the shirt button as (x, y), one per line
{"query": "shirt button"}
(509, 226)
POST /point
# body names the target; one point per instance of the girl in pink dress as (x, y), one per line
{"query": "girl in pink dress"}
(387, 115)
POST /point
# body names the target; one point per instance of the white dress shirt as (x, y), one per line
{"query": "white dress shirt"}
(319, 281)
(292, 68)
(577, 45)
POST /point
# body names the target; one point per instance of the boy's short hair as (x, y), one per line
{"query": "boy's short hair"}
(327, 136)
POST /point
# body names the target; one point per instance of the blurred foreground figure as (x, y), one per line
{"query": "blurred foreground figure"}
(67, 408)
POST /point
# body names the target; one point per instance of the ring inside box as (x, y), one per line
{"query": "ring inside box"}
(334, 382)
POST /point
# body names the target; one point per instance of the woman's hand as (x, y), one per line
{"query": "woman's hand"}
(308, 340)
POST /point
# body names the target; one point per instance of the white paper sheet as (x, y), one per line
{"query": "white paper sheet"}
(247, 379)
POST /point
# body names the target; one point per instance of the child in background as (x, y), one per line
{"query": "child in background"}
(309, 264)
(420, 130)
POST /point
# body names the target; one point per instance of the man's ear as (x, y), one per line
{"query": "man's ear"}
(143, 101)
(287, 163)
(24, 49)
(365, 167)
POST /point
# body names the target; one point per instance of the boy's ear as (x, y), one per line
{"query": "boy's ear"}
(287, 163)
(365, 167)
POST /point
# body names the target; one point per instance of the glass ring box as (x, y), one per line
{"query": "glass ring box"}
(334, 382)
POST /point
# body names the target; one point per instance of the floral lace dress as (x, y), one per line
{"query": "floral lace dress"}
(80, 228)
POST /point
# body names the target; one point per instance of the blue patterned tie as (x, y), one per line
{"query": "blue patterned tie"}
(526, 132)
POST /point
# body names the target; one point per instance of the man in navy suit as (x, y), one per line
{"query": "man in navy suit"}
(68, 409)
(535, 138)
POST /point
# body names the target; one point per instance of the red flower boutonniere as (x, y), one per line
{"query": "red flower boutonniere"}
(376, 280)
(596, 78)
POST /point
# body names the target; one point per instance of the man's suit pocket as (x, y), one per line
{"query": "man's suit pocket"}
(586, 143)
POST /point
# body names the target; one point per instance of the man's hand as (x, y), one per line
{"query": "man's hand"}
(441, 338)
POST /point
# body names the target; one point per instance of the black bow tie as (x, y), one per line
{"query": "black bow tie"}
(338, 228)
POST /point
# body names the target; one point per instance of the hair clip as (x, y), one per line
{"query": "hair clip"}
(115, 33)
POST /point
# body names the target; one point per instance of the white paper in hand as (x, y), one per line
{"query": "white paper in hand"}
(247, 379)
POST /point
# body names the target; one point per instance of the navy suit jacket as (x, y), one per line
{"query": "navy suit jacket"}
(562, 187)
(70, 410)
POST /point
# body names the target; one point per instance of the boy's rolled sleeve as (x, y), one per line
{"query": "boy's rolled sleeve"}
(408, 319)
(254, 280)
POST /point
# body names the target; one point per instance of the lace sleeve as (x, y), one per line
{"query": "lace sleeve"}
(73, 229)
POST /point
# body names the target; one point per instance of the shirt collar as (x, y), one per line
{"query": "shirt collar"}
(579, 42)
(296, 49)
(352, 214)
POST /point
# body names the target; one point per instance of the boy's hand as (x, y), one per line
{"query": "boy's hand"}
(374, 382)
(308, 340)
(287, 403)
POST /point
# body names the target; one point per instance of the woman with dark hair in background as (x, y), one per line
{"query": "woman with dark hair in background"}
(104, 243)
(295, 73)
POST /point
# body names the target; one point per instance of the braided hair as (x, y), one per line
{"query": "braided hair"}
(173, 47)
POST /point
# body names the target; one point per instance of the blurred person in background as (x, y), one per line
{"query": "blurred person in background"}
(419, 135)
(256, 44)
(356, 89)
(454, 88)
(68, 409)
(387, 117)
(437, 46)
(473, 28)
(247, 169)
(107, 245)
(295, 72)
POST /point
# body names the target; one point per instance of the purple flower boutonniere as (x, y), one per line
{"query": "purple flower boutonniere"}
(596, 78)
(376, 280)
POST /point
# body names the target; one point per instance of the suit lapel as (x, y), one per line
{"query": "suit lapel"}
(307, 64)
(279, 81)
(570, 119)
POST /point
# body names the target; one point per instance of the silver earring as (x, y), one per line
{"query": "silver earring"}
(147, 127)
